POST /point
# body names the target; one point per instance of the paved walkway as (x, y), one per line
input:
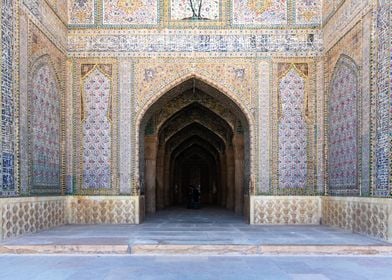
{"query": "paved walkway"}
(198, 227)
(54, 267)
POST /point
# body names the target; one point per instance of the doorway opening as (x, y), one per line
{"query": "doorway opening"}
(194, 150)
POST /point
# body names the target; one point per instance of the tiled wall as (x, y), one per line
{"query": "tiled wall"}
(180, 13)
(383, 143)
(7, 155)
(347, 131)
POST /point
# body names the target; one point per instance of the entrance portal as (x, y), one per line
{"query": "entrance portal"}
(194, 149)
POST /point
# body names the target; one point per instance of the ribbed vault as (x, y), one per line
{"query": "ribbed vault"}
(194, 137)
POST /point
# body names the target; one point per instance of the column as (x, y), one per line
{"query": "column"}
(150, 157)
(230, 178)
(238, 146)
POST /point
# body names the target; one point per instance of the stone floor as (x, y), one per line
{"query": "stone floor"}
(55, 267)
(181, 226)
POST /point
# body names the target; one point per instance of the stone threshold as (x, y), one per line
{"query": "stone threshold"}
(207, 250)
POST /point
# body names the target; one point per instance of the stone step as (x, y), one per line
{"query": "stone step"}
(199, 249)
(64, 249)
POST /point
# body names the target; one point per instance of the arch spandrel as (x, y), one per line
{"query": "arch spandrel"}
(236, 76)
(222, 89)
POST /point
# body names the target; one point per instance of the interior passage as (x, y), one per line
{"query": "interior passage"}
(194, 150)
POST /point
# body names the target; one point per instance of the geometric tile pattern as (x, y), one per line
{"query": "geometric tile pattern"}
(45, 126)
(101, 210)
(369, 216)
(286, 210)
(292, 131)
(27, 215)
(130, 11)
(24, 138)
(383, 186)
(343, 129)
(366, 127)
(96, 118)
(7, 100)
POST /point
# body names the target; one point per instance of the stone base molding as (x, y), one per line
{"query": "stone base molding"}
(285, 210)
(103, 210)
(369, 216)
(24, 215)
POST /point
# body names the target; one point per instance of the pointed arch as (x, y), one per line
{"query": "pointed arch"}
(292, 131)
(96, 128)
(154, 174)
(343, 154)
(230, 94)
(220, 91)
(45, 127)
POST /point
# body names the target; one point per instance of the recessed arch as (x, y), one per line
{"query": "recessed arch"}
(189, 143)
(343, 153)
(168, 91)
(209, 82)
(201, 117)
(219, 145)
(196, 159)
(167, 123)
(45, 118)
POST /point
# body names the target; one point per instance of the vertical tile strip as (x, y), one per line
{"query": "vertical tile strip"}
(263, 127)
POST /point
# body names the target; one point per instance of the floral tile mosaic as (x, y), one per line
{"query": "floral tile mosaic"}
(194, 10)
(253, 12)
(81, 11)
(127, 12)
(343, 129)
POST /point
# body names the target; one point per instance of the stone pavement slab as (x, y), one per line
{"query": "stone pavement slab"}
(60, 267)
(199, 231)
